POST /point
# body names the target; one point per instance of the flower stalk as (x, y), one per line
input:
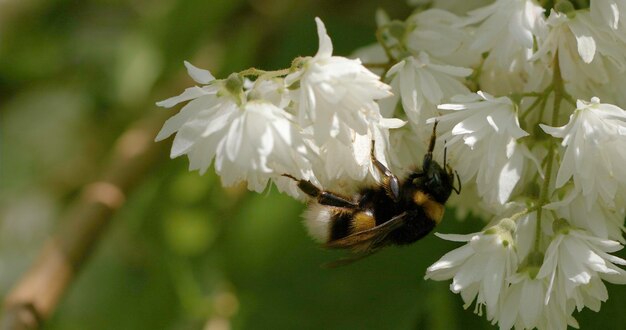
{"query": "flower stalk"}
(544, 196)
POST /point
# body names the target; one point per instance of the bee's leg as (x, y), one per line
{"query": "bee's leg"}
(390, 181)
(323, 197)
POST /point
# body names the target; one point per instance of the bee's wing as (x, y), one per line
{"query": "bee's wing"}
(369, 239)
(348, 260)
(364, 243)
(369, 236)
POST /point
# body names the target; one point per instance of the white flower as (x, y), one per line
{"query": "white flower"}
(594, 138)
(261, 142)
(578, 257)
(433, 31)
(608, 12)
(480, 268)
(335, 93)
(539, 78)
(482, 142)
(251, 140)
(455, 6)
(525, 234)
(612, 92)
(353, 160)
(497, 80)
(578, 41)
(272, 90)
(206, 93)
(615, 89)
(569, 278)
(599, 220)
(507, 29)
(574, 262)
(609, 42)
(506, 33)
(523, 302)
(422, 85)
(373, 53)
(407, 149)
(556, 316)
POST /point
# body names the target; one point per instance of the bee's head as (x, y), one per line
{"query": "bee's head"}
(437, 180)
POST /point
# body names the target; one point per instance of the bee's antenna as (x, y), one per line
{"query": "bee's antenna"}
(458, 179)
(433, 138)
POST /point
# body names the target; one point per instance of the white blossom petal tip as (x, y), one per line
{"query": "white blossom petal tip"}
(189, 94)
(325, 44)
(199, 75)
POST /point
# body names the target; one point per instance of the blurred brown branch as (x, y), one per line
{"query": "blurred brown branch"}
(35, 296)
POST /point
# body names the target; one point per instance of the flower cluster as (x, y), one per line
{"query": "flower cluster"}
(544, 154)
(530, 104)
(315, 121)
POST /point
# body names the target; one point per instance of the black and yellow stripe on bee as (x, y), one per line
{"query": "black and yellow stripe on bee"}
(423, 213)
(340, 224)
(363, 220)
(433, 209)
(347, 222)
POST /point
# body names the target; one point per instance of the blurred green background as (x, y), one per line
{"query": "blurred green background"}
(185, 253)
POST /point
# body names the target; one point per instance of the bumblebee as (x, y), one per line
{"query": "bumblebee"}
(396, 212)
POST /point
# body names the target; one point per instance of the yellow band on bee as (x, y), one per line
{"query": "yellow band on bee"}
(363, 221)
(433, 209)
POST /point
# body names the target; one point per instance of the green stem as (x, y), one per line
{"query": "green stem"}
(570, 99)
(543, 197)
(381, 41)
(264, 74)
(557, 84)
(533, 94)
(385, 65)
(543, 109)
(540, 98)
(252, 72)
(559, 93)
(473, 78)
(522, 213)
